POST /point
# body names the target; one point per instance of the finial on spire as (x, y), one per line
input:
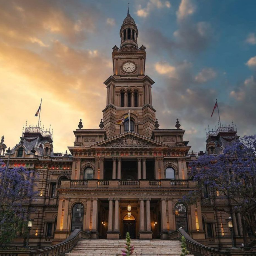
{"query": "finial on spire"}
(128, 11)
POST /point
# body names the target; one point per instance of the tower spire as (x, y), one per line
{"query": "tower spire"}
(128, 11)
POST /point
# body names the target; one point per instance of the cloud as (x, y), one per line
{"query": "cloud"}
(238, 95)
(144, 12)
(186, 9)
(38, 41)
(111, 22)
(205, 75)
(251, 39)
(251, 63)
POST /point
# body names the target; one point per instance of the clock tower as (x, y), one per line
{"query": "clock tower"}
(129, 88)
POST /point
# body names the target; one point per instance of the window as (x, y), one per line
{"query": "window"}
(209, 230)
(122, 99)
(170, 173)
(126, 126)
(133, 33)
(49, 229)
(77, 217)
(53, 189)
(20, 152)
(125, 34)
(88, 173)
(135, 99)
(129, 33)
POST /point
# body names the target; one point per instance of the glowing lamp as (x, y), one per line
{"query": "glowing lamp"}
(129, 208)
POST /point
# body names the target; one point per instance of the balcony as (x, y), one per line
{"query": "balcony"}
(121, 184)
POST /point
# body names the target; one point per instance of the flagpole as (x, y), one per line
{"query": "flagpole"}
(218, 113)
(39, 113)
(129, 121)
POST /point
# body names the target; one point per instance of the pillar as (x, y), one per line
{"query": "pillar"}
(235, 224)
(88, 215)
(125, 99)
(119, 169)
(116, 228)
(150, 95)
(240, 226)
(142, 220)
(132, 99)
(101, 168)
(139, 168)
(156, 169)
(110, 215)
(107, 95)
(148, 215)
(114, 169)
(171, 217)
(97, 169)
(95, 218)
(163, 215)
(161, 164)
(144, 169)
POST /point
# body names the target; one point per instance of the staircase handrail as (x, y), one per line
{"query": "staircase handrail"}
(60, 249)
(196, 247)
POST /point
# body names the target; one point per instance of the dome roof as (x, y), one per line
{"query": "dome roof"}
(128, 20)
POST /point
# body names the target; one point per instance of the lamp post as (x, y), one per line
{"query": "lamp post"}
(29, 228)
(230, 225)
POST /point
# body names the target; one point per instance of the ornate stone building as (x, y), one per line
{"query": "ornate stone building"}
(128, 175)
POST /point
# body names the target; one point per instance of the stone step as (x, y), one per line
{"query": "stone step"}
(103, 247)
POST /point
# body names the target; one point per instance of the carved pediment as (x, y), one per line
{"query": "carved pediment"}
(129, 140)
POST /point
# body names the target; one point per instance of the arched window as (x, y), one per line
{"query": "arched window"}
(181, 216)
(125, 34)
(122, 99)
(129, 33)
(20, 152)
(170, 173)
(77, 217)
(126, 126)
(88, 173)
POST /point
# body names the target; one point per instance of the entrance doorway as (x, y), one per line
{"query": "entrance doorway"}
(129, 226)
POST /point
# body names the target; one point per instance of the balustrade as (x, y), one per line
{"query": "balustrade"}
(79, 183)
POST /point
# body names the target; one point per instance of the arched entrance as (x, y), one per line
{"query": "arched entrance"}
(129, 225)
(77, 217)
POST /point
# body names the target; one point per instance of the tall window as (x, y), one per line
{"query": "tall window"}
(133, 32)
(49, 226)
(136, 99)
(170, 173)
(125, 34)
(122, 99)
(129, 33)
(88, 173)
(53, 189)
(126, 126)
(20, 152)
(129, 99)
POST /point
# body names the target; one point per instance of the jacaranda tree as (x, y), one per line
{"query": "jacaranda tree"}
(232, 176)
(15, 194)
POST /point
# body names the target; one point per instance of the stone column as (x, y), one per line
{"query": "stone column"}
(116, 228)
(171, 217)
(144, 169)
(119, 169)
(162, 171)
(132, 99)
(150, 95)
(110, 215)
(88, 215)
(107, 95)
(139, 168)
(101, 168)
(163, 215)
(240, 226)
(95, 218)
(125, 99)
(110, 94)
(235, 224)
(156, 169)
(114, 169)
(142, 216)
(97, 168)
(148, 215)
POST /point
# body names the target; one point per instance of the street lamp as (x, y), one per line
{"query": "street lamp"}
(230, 225)
(30, 224)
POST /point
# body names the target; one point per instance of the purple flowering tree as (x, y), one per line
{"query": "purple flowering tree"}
(230, 176)
(15, 195)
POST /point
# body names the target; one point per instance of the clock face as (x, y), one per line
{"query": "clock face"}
(129, 67)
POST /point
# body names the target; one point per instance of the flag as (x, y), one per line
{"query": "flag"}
(126, 118)
(119, 121)
(215, 106)
(39, 109)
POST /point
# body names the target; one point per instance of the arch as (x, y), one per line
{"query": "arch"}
(20, 152)
(181, 216)
(129, 218)
(126, 126)
(170, 173)
(61, 178)
(88, 173)
(77, 216)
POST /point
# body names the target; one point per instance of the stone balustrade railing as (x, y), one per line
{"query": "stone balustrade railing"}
(199, 249)
(55, 250)
(128, 183)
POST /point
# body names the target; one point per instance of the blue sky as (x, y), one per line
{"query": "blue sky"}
(197, 51)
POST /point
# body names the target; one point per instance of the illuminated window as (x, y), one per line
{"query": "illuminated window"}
(197, 222)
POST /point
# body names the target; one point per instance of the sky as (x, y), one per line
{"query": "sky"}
(60, 50)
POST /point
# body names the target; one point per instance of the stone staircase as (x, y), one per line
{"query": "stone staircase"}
(113, 247)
